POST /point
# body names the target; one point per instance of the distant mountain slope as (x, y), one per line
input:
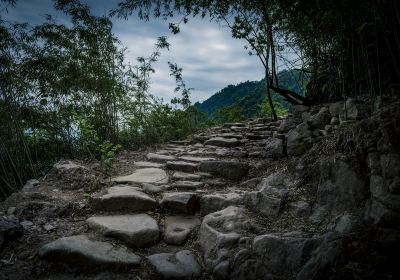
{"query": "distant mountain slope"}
(249, 95)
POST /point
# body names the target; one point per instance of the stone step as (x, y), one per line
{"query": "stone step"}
(147, 164)
(159, 157)
(229, 169)
(178, 228)
(182, 166)
(179, 202)
(178, 175)
(179, 265)
(124, 198)
(195, 159)
(79, 250)
(222, 142)
(139, 230)
(186, 185)
(145, 175)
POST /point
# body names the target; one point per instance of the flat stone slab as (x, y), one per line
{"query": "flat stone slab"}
(147, 164)
(187, 185)
(178, 228)
(222, 142)
(145, 175)
(196, 159)
(179, 202)
(159, 157)
(180, 265)
(215, 202)
(229, 169)
(178, 175)
(138, 230)
(78, 250)
(126, 198)
(182, 166)
(150, 188)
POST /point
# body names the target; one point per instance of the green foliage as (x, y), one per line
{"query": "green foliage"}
(266, 111)
(230, 114)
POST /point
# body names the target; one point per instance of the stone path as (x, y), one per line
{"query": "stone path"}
(191, 209)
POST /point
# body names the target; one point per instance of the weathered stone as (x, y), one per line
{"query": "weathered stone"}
(179, 202)
(283, 254)
(300, 208)
(147, 164)
(30, 185)
(215, 202)
(228, 169)
(187, 185)
(185, 176)
(196, 159)
(138, 230)
(274, 148)
(340, 189)
(394, 186)
(354, 109)
(10, 230)
(220, 233)
(74, 176)
(159, 157)
(178, 228)
(336, 108)
(182, 166)
(150, 188)
(80, 251)
(125, 198)
(390, 165)
(298, 140)
(319, 120)
(222, 142)
(298, 110)
(180, 266)
(287, 124)
(384, 212)
(145, 175)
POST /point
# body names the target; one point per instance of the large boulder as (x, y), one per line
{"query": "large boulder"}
(220, 233)
(319, 120)
(179, 202)
(215, 202)
(354, 109)
(178, 228)
(274, 147)
(229, 169)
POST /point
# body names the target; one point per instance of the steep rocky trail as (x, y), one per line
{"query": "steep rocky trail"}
(259, 199)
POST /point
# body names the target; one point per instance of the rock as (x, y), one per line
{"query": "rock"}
(394, 186)
(383, 212)
(30, 184)
(287, 124)
(187, 185)
(180, 265)
(300, 208)
(178, 228)
(26, 224)
(196, 159)
(80, 251)
(182, 166)
(354, 109)
(150, 188)
(390, 165)
(215, 202)
(145, 175)
(74, 176)
(305, 117)
(283, 254)
(10, 230)
(298, 140)
(336, 108)
(334, 121)
(185, 176)
(229, 169)
(159, 157)
(139, 230)
(340, 189)
(298, 110)
(274, 148)
(147, 164)
(319, 120)
(222, 142)
(11, 210)
(179, 202)
(124, 198)
(220, 233)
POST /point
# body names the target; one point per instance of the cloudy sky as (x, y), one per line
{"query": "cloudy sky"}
(210, 58)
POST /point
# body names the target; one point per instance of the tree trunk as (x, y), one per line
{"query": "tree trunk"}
(271, 104)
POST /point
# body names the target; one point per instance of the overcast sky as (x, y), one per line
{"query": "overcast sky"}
(211, 59)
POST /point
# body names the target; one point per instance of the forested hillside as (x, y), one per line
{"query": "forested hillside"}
(249, 95)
